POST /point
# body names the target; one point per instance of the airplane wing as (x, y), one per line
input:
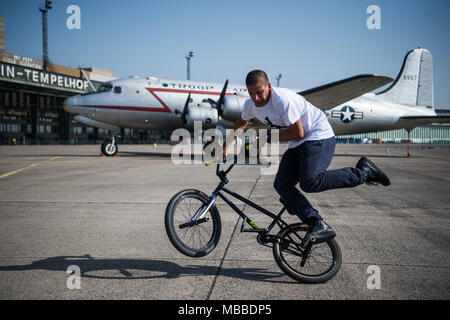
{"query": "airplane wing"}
(412, 122)
(333, 94)
(443, 112)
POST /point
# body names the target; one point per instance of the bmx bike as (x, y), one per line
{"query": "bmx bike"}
(193, 225)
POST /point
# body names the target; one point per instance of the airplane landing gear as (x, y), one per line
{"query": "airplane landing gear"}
(408, 154)
(109, 147)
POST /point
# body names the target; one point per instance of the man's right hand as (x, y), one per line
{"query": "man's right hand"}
(238, 128)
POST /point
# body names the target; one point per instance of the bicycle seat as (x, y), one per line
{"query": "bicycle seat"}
(283, 202)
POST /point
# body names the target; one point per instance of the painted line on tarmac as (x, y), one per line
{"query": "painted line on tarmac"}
(29, 167)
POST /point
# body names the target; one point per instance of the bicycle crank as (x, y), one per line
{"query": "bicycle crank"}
(306, 253)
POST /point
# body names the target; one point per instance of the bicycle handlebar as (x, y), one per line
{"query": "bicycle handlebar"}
(222, 173)
(229, 168)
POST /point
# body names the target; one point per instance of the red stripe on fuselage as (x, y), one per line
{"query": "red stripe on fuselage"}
(152, 91)
(133, 108)
(165, 107)
(187, 91)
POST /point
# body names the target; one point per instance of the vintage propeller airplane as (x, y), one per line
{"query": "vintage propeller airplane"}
(351, 107)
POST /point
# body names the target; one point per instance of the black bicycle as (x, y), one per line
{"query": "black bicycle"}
(194, 227)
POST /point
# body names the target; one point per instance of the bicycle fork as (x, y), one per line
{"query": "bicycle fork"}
(199, 215)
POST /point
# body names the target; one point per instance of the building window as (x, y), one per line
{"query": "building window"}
(78, 130)
(7, 99)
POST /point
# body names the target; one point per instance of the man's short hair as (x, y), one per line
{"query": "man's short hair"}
(256, 76)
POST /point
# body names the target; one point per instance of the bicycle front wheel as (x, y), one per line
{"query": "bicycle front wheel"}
(318, 265)
(192, 238)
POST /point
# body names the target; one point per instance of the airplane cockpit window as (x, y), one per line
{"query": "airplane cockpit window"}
(104, 88)
(117, 89)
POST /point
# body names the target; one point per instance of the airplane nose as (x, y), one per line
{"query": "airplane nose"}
(68, 104)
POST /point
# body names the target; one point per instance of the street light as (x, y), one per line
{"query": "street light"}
(278, 80)
(188, 58)
(47, 6)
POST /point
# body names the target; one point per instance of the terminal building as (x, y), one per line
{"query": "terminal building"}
(31, 112)
(31, 100)
(433, 133)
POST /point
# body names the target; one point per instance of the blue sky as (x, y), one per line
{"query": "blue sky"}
(309, 42)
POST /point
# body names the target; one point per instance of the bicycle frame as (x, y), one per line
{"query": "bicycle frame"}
(219, 191)
(254, 228)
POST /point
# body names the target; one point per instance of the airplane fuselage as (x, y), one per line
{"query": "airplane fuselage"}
(153, 103)
(370, 114)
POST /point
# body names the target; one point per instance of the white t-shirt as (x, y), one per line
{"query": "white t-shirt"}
(284, 108)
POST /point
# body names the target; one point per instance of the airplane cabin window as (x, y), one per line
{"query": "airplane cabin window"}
(117, 89)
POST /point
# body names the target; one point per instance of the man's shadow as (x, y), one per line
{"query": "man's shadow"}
(89, 266)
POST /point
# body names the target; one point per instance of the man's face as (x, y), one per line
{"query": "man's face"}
(260, 93)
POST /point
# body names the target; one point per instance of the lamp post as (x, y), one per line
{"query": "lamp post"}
(47, 6)
(188, 58)
(278, 80)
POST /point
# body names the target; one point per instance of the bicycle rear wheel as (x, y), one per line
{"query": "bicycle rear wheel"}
(321, 264)
(192, 238)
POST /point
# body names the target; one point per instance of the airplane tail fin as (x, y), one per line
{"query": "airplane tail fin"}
(414, 84)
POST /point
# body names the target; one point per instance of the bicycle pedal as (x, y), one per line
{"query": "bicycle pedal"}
(307, 241)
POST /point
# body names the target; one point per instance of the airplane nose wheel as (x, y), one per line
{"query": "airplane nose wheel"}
(109, 148)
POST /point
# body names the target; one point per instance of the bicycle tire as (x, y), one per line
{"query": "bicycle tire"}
(286, 254)
(179, 236)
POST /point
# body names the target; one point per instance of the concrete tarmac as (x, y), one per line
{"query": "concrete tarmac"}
(67, 208)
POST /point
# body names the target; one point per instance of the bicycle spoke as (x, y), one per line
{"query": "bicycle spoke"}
(293, 252)
(195, 236)
(318, 261)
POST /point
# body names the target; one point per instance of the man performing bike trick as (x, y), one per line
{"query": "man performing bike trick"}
(311, 145)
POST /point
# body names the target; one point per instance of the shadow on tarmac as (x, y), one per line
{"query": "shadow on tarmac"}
(373, 155)
(163, 269)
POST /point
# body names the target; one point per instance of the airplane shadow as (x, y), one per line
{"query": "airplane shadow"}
(374, 156)
(144, 154)
(98, 155)
(162, 269)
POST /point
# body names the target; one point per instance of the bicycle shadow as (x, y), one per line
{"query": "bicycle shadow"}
(89, 266)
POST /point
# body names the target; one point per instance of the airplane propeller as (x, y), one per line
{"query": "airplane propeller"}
(185, 109)
(219, 103)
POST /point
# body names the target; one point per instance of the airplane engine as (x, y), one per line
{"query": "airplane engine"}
(232, 107)
(207, 115)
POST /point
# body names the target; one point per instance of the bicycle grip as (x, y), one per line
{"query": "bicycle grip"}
(208, 163)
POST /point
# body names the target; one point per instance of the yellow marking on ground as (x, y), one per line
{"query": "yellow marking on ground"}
(29, 167)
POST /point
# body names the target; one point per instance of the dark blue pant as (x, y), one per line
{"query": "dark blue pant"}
(306, 165)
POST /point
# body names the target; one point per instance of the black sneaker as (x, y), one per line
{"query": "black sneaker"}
(373, 173)
(321, 232)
